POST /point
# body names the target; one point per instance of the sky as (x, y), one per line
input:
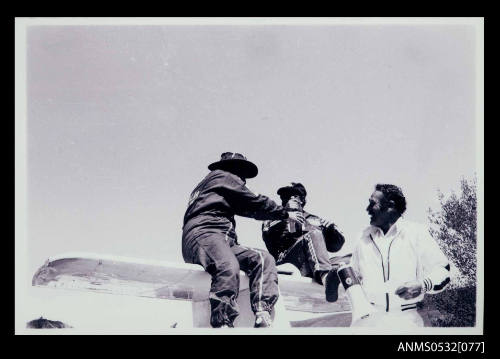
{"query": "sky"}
(122, 122)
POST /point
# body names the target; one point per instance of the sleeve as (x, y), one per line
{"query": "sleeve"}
(435, 265)
(276, 228)
(333, 238)
(248, 204)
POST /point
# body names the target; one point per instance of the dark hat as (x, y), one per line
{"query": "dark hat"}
(295, 189)
(235, 163)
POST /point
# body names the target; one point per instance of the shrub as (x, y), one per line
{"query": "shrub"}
(455, 307)
(454, 228)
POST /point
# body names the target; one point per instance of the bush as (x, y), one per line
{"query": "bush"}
(454, 229)
(455, 307)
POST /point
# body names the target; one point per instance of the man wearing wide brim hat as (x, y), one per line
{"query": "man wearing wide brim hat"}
(235, 163)
(209, 239)
(307, 247)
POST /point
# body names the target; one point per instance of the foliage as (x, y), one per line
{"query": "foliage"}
(451, 308)
(454, 228)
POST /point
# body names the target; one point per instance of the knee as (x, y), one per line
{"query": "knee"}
(268, 266)
(268, 259)
(262, 259)
(229, 268)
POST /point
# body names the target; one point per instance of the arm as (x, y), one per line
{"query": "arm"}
(333, 238)
(435, 265)
(435, 268)
(248, 204)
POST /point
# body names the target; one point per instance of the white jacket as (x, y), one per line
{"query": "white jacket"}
(410, 254)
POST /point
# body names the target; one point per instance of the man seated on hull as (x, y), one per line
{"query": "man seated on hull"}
(306, 245)
(209, 239)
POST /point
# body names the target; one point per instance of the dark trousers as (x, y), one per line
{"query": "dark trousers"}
(309, 255)
(223, 260)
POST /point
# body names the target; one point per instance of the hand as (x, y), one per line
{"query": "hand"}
(410, 290)
(297, 216)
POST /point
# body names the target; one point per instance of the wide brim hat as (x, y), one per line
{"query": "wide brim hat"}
(294, 189)
(235, 163)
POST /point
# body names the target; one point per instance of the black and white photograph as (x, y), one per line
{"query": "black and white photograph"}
(254, 175)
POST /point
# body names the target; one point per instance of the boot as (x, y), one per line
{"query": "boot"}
(331, 283)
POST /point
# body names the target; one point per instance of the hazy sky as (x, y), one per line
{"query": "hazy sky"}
(123, 121)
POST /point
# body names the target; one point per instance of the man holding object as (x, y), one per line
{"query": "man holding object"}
(209, 239)
(397, 261)
(305, 245)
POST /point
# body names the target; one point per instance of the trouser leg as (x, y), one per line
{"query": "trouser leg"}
(310, 255)
(260, 267)
(215, 255)
(317, 254)
(297, 256)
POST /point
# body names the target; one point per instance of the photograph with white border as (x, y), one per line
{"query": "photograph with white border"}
(165, 169)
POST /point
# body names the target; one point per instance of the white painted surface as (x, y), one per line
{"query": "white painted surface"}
(93, 292)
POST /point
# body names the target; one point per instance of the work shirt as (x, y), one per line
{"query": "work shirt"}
(407, 252)
(217, 199)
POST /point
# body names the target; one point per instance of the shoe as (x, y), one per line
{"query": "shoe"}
(226, 325)
(263, 320)
(332, 282)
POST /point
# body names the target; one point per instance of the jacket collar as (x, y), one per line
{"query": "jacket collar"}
(393, 230)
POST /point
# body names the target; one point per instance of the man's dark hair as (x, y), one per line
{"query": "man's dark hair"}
(393, 193)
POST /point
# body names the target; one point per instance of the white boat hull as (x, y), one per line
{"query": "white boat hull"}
(96, 292)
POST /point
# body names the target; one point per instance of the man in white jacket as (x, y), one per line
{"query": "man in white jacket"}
(398, 261)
